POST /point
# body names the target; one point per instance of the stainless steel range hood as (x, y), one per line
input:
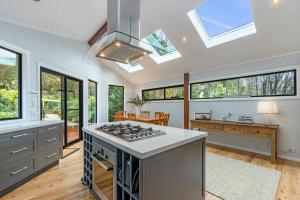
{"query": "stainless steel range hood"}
(122, 41)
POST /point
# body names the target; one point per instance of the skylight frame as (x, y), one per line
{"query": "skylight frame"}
(162, 58)
(228, 36)
(130, 68)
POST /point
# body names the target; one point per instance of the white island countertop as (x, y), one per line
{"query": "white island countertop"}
(144, 148)
(26, 125)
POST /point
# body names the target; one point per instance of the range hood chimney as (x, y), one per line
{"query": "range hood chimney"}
(121, 42)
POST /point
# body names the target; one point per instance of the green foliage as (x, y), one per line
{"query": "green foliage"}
(262, 85)
(8, 104)
(176, 92)
(92, 101)
(92, 109)
(115, 100)
(8, 89)
(137, 101)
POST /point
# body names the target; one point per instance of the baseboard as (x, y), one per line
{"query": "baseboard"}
(254, 151)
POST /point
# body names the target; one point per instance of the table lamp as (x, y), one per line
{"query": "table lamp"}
(268, 108)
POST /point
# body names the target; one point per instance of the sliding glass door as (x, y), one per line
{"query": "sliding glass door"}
(61, 98)
(51, 96)
(73, 110)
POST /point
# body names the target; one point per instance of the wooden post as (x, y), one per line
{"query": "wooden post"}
(186, 100)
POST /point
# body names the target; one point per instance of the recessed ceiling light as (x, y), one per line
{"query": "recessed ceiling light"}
(118, 44)
(275, 2)
(183, 39)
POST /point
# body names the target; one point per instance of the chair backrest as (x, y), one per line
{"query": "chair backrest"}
(164, 119)
(145, 114)
(131, 116)
(119, 116)
(157, 114)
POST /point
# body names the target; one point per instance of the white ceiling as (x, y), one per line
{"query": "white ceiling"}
(278, 31)
(76, 19)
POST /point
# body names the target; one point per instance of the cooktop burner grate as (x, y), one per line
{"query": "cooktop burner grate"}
(129, 132)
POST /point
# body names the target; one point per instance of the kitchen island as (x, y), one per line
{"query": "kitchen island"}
(168, 166)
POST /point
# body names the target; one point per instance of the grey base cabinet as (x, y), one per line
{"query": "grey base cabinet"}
(176, 174)
(26, 153)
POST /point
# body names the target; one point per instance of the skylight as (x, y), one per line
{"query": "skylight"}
(167, 50)
(131, 67)
(218, 21)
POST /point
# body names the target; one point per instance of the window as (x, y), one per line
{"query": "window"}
(115, 100)
(92, 102)
(262, 85)
(162, 48)
(131, 67)
(218, 22)
(165, 93)
(10, 84)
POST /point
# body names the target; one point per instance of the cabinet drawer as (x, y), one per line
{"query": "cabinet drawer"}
(48, 140)
(16, 173)
(49, 130)
(14, 138)
(48, 156)
(16, 151)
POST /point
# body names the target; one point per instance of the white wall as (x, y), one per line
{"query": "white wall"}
(62, 55)
(289, 108)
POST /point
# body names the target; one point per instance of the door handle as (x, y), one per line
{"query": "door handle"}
(51, 155)
(50, 140)
(18, 171)
(19, 150)
(107, 166)
(50, 129)
(21, 135)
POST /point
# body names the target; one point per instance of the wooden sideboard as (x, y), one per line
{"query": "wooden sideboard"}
(252, 129)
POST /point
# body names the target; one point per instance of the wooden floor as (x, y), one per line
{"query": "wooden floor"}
(62, 182)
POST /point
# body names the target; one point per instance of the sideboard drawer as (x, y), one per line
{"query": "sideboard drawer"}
(260, 131)
(16, 173)
(231, 129)
(14, 138)
(16, 151)
(217, 127)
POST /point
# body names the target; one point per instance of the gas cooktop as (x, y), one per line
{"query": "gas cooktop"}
(129, 132)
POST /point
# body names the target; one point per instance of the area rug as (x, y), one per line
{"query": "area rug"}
(238, 180)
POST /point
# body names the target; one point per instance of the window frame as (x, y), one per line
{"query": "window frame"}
(164, 88)
(96, 94)
(234, 34)
(20, 85)
(240, 77)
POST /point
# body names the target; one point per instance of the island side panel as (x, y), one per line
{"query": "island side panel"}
(176, 174)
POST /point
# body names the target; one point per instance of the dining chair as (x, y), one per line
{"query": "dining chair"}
(164, 119)
(119, 116)
(145, 114)
(131, 116)
(157, 114)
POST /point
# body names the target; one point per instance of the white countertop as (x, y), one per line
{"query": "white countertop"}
(144, 148)
(26, 125)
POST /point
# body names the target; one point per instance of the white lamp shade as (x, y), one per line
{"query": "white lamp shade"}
(267, 107)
